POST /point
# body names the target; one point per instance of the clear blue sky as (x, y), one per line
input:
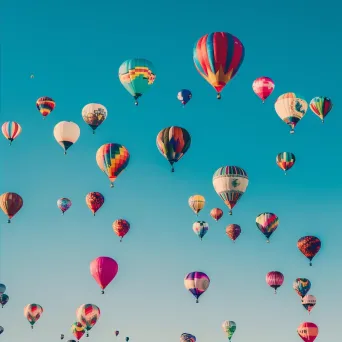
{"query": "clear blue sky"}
(75, 49)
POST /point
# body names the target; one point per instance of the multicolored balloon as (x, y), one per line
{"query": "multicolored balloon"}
(33, 312)
(64, 204)
(233, 231)
(309, 246)
(94, 114)
(196, 203)
(173, 142)
(184, 96)
(274, 279)
(229, 328)
(78, 330)
(263, 87)
(66, 134)
(308, 331)
(3, 299)
(197, 283)
(45, 105)
(216, 213)
(186, 337)
(2, 289)
(200, 228)
(103, 269)
(94, 201)
(11, 130)
(302, 286)
(112, 159)
(121, 227)
(88, 315)
(230, 183)
(10, 204)
(285, 160)
(267, 224)
(321, 106)
(309, 301)
(137, 75)
(218, 57)
(291, 109)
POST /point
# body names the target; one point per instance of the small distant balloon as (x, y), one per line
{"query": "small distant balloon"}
(302, 286)
(216, 213)
(285, 160)
(184, 96)
(274, 279)
(309, 301)
(103, 269)
(233, 231)
(263, 87)
(200, 228)
(1, 330)
(309, 246)
(45, 105)
(33, 312)
(31, 76)
(64, 204)
(196, 283)
(62, 336)
(10, 203)
(94, 201)
(116, 332)
(186, 337)
(66, 134)
(3, 299)
(11, 130)
(121, 227)
(321, 106)
(196, 203)
(267, 223)
(127, 339)
(2, 289)
(94, 114)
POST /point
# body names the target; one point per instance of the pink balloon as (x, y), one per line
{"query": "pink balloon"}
(103, 270)
(274, 279)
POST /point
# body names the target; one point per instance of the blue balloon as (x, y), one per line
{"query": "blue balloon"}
(184, 96)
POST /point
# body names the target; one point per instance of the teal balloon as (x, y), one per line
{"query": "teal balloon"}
(137, 75)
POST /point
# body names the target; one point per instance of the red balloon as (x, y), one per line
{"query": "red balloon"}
(216, 213)
(103, 269)
(263, 87)
(274, 279)
(233, 231)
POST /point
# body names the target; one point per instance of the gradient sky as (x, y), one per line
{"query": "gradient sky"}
(74, 50)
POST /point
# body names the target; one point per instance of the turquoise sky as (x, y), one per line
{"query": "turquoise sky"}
(74, 49)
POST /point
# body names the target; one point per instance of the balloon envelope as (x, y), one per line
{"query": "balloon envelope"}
(229, 328)
(45, 105)
(196, 203)
(233, 231)
(263, 87)
(94, 201)
(103, 269)
(200, 228)
(216, 213)
(184, 96)
(197, 283)
(302, 286)
(321, 106)
(11, 130)
(94, 114)
(308, 331)
(309, 246)
(186, 337)
(33, 312)
(66, 134)
(274, 279)
(11, 203)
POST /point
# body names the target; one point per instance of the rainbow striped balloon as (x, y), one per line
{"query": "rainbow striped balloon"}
(11, 130)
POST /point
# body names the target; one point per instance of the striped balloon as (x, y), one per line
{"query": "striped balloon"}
(267, 224)
(309, 301)
(321, 106)
(45, 105)
(274, 279)
(196, 283)
(11, 130)
(285, 160)
(308, 331)
(33, 312)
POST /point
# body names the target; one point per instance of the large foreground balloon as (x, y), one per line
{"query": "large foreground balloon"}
(274, 279)
(216, 213)
(33, 312)
(233, 231)
(308, 331)
(309, 246)
(173, 142)
(309, 301)
(45, 105)
(94, 201)
(302, 286)
(3, 299)
(321, 106)
(66, 134)
(285, 160)
(10, 203)
(218, 57)
(2, 289)
(94, 114)
(263, 87)
(112, 159)
(200, 228)
(267, 224)
(290, 108)
(78, 330)
(229, 328)
(137, 75)
(103, 270)
(64, 204)
(121, 227)
(11, 130)
(196, 203)
(88, 315)
(186, 337)
(230, 183)
(197, 283)
(184, 96)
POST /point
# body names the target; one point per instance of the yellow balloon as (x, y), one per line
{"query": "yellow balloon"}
(196, 203)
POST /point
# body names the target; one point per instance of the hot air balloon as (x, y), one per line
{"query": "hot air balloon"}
(309, 301)
(63, 204)
(184, 96)
(1, 330)
(62, 336)
(112, 159)
(290, 108)
(186, 337)
(71, 341)
(197, 283)
(233, 231)
(78, 330)
(10, 203)
(66, 134)
(173, 142)
(94, 114)
(216, 213)
(45, 105)
(274, 279)
(230, 183)
(3, 299)
(309, 246)
(200, 228)
(121, 228)
(196, 203)
(2, 289)
(127, 339)
(94, 201)
(88, 315)
(321, 106)
(32, 312)
(285, 160)
(267, 224)
(103, 270)
(229, 328)
(308, 331)
(263, 87)
(137, 75)
(218, 57)
(116, 332)
(302, 286)
(11, 130)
